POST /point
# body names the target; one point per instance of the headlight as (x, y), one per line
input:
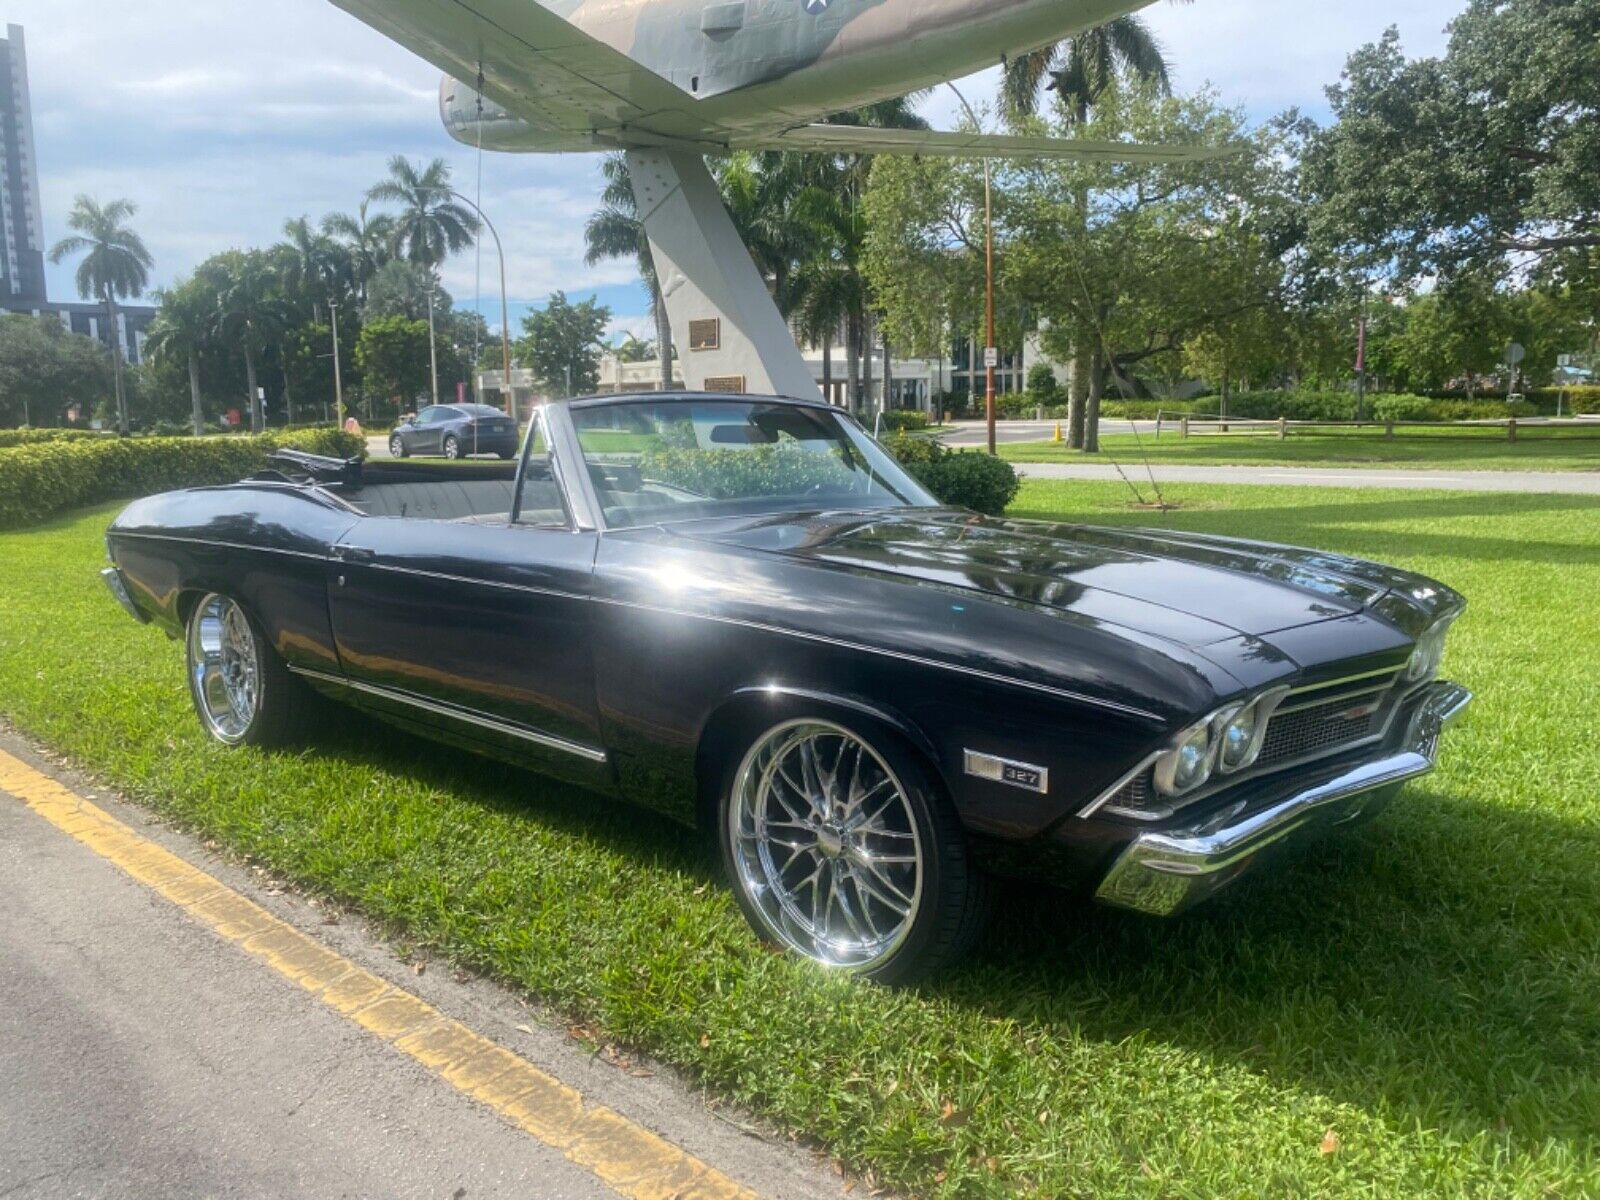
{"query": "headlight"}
(1429, 651)
(1238, 744)
(1187, 765)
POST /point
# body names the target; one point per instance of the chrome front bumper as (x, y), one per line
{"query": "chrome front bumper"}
(1164, 872)
(119, 588)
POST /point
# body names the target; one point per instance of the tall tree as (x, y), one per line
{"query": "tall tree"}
(615, 231)
(1080, 70)
(430, 226)
(561, 344)
(316, 268)
(250, 313)
(367, 240)
(1485, 158)
(115, 266)
(181, 330)
(44, 370)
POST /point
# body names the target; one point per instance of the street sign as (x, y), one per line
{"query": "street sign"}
(991, 356)
(1515, 353)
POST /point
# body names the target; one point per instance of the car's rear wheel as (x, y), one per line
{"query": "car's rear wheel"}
(508, 454)
(241, 689)
(397, 447)
(452, 446)
(841, 848)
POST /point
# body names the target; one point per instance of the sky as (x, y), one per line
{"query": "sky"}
(221, 119)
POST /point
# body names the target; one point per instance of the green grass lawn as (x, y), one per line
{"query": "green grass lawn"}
(1486, 450)
(1426, 987)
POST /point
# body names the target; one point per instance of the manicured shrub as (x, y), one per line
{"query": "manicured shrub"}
(1269, 406)
(10, 438)
(962, 479)
(40, 479)
(784, 469)
(899, 420)
(1144, 410)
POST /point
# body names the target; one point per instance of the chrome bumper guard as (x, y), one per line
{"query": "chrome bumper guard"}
(119, 588)
(1164, 872)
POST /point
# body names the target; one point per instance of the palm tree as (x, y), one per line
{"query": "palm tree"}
(367, 241)
(249, 308)
(314, 265)
(180, 331)
(430, 225)
(115, 265)
(1080, 70)
(615, 231)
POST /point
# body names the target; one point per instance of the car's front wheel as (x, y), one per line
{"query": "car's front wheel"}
(241, 689)
(397, 447)
(842, 848)
(452, 446)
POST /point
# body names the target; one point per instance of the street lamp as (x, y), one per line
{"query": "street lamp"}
(338, 381)
(988, 273)
(505, 318)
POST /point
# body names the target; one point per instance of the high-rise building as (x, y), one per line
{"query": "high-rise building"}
(22, 283)
(22, 259)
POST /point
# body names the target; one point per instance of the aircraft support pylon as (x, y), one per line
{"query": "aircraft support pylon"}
(729, 333)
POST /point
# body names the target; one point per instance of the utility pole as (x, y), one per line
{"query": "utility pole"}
(433, 353)
(338, 380)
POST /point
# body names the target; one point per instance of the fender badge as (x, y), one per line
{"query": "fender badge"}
(1007, 771)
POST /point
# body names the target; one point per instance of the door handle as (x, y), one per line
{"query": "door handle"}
(354, 553)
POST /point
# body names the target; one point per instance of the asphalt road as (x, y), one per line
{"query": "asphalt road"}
(141, 1055)
(1576, 483)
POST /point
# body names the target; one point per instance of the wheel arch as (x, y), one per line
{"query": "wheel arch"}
(750, 709)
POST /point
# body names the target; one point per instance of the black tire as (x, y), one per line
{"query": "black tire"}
(507, 454)
(451, 446)
(282, 706)
(952, 903)
(397, 447)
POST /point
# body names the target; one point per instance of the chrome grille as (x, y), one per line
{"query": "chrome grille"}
(1320, 720)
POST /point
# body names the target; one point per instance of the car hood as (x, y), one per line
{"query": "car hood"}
(1187, 588)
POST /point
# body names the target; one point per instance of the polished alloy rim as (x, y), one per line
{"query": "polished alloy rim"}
(452, 448)
(396, 447)
(223, 667)
(825, 844)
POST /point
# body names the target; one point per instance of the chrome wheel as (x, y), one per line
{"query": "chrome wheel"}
(825, 844)
(397, 448)
(224, 668)
(452, 447)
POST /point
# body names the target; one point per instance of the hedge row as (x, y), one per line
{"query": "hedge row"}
(40, 479)
(10, 438)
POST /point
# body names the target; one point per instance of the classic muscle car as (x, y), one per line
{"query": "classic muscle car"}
(743, 612)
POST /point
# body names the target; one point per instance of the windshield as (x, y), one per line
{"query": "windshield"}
(655, 461)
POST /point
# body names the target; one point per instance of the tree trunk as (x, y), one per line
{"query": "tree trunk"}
(116, 364)
(194, 394)
(827, 364)
(258, 418)
(852, 356)
(288, 397)
(888, 375)
(867, 407)
(658, 304)
(1078, 398)
(1091, 408)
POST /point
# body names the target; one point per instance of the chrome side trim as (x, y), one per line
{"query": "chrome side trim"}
(1163, 872)
(532, 589)
(194, 541)
(547, 740)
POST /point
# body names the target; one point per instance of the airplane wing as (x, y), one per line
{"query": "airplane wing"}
(862, 139)
(537, 66)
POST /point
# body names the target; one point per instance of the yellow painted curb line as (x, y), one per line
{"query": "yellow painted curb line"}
(629, 1158)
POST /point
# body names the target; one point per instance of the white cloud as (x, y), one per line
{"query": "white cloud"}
(222, 119)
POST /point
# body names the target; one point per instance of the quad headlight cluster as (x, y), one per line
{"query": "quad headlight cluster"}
(1424, 661)
(1227, 741)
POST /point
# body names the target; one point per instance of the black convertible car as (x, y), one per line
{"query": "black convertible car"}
(743, 612)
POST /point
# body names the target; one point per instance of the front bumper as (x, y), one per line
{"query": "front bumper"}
(1164, 872)
(119, 588)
